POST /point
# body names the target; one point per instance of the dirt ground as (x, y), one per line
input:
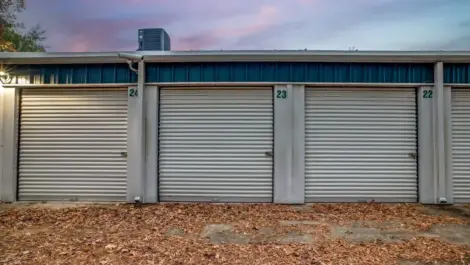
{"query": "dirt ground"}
(234, 234)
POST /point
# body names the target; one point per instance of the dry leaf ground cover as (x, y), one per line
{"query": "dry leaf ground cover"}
(233, 234)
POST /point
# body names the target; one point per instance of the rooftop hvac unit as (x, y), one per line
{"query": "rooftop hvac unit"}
(156, 39)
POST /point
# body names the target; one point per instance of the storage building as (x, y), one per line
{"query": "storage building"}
(236, 126)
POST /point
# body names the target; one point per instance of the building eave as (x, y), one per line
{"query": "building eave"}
(241, 56)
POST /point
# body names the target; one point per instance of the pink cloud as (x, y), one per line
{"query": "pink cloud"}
(80, 46)
(103, 34)
(195, 42)
(264, 19)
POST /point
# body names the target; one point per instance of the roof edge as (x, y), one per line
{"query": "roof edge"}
(240, 56)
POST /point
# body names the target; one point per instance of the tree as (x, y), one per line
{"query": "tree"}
(9, 9)
(11, 36)
(28, 42)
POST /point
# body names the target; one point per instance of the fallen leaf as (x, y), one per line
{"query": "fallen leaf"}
(110, 246)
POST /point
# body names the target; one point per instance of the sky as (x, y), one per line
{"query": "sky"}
(111, 25)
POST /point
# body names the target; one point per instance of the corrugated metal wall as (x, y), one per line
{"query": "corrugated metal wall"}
(290, 72)
(461, 144)
(358, 143)
(457, 73)
(242, 72)
(71, 144)
(213, 144)
(230, 72)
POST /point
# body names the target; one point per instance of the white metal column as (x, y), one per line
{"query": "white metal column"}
(461, 144)
(73, 144)
(215, 144)
(8, 185)
(360, 144)
(2, 107)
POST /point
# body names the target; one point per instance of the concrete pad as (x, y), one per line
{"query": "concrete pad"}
(291, 222)
(366, 235)
(215, 228)
(453, 233)
(457, 210)
(267, 231)
(296, 238)
(385, 225)
(229, 238)
(223, 234)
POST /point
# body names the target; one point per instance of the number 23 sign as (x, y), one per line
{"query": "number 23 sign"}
(281, 93)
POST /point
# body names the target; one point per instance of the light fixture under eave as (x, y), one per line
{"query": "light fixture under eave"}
(5, 78)
(131, 58)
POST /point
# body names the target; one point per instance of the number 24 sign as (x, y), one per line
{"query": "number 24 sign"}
(133, 92)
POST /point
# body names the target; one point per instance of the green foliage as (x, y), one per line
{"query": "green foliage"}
(15, 37)
(29, 42)
(8, 11)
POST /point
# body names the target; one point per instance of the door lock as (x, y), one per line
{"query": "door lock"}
(124, 154)
(413, 155)
(268, 154)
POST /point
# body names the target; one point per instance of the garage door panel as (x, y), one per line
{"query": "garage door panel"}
(212, 144)
(358, 144)
(461, 144)
(70, 144)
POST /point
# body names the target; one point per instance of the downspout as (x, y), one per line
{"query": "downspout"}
(136, 143)
(440, 132)
(142, 154)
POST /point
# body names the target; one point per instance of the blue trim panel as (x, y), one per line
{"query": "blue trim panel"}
(457, 73)
(230, 72)
(290, 72)
(76, 74)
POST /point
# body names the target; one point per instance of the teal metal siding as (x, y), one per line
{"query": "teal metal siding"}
(230, 72)
(457, 73)
(76, 74)
(290, 72)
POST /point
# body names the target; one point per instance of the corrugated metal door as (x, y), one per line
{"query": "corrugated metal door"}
(216, 144)
(72, 143)
(360, 145)
(461, 144)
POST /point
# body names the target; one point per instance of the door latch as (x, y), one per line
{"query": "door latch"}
(268, 154)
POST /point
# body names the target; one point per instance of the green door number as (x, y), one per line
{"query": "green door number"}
(281, 93)
(427, 93)
(133, 92)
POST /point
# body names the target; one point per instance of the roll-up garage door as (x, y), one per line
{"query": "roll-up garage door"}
(360, 145)
(461, 144)
(73, 144)
(216, 144)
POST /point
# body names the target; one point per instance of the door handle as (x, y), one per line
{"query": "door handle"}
(268, 154)
(413, 155)
(124, 154)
